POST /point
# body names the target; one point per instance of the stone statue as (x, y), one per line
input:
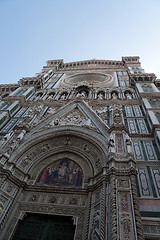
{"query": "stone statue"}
(129, 145)
(6, 138)
(21, 136)
(114, 96)
(51, 96)
(95, 226)
(100, 96)
(111, 144)
(128, 96)
(96, 219)
(81, 94)
(63, 96)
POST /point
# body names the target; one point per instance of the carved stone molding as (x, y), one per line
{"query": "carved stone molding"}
(22, 209)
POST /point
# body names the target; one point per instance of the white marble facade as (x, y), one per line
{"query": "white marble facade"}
(82, 140)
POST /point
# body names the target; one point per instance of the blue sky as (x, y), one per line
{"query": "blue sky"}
(34, 31)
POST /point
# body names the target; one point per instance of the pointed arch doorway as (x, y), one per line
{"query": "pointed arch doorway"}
(45, 227)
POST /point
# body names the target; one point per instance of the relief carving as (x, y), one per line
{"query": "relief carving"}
(73, 118)
(117, 114)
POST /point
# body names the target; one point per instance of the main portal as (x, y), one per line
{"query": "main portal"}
(45, 227)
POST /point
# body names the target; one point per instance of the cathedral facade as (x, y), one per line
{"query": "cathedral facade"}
(80, 153)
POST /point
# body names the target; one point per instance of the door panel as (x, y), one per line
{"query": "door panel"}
(45, 227)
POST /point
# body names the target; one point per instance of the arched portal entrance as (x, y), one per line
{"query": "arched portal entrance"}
(56, 171)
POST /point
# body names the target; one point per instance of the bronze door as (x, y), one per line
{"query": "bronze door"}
(45, 227)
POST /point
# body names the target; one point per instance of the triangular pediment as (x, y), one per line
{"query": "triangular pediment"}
(76, 113)
(73, 117)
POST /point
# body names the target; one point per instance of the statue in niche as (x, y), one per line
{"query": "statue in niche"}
(111, 144)
(81, 94)
(128, 95)
(129, 145)
(65, 173)
(63, 96)
(51, 96)
(96, 219)
(95, 225)
(100, 96)
(38, 96)
(114, 95)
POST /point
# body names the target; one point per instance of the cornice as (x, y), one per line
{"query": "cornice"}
(61, 65)
(150, 94)
(142, 77)
(38, 82)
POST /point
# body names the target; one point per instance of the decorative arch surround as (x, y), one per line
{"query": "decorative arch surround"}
(39, 152)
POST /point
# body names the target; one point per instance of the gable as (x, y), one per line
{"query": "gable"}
(77, 113)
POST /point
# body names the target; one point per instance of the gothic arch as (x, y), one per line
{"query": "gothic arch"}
(87, 149)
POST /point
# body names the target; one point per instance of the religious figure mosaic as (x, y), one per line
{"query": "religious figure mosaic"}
(64, 172)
